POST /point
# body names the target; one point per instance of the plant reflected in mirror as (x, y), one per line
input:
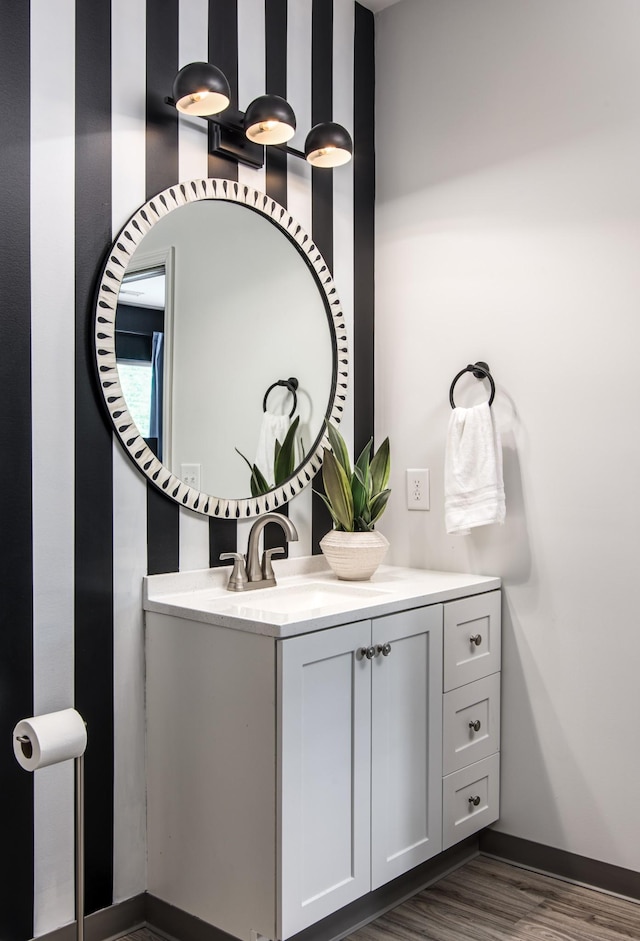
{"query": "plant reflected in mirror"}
(284, 462)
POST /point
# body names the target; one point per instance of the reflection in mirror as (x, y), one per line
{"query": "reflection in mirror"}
(140, 349)
(217, 310)
(245, 310)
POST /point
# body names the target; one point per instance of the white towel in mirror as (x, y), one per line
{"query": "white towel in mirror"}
(272, 427)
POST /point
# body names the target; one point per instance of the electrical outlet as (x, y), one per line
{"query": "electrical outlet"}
(190, 474)
(417, 488)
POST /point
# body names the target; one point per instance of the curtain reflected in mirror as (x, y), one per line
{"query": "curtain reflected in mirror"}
(140, 350)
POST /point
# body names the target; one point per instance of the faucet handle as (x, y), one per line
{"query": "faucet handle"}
(267, 568)
(238, 578)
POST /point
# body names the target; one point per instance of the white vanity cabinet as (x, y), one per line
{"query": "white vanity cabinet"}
(293, 768)
(359, 797)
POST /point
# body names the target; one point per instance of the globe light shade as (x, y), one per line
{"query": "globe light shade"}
(201, 89)
(269, 120)
(328, 145)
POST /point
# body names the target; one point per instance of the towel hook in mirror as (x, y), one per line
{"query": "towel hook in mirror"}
(481, 371)
(291, 385)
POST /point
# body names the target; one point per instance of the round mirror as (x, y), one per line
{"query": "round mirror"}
(220, 347)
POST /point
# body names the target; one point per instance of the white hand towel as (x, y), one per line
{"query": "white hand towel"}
(473, 484)
(272, 427)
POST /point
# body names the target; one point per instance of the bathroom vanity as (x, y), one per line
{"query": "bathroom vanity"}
(308, 743)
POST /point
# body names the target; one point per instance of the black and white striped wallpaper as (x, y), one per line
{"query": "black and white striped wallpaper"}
(85, 139)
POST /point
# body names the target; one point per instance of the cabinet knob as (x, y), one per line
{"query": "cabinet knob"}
(368, 652)
(475, 725)
(474, 800)
(476, 639)
(384, 649)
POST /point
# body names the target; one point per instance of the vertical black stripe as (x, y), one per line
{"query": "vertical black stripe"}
(16, 570)
(321, 189)
(223, 537)
(93, 448)
(276, 84)
(322, 110)
(161, 119)
(163, 515)
(223, 52)
(363, 225)
(276, 165)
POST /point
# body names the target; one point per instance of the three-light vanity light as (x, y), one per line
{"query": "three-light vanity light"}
(202, 89)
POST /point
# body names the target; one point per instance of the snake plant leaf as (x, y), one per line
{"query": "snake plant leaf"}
(284, 459)
(378, 505)
(359, 493)
(361, 483)
(258, 482)
(338, 489)
(329, 507)
(363, 465)
(339, 448)
(362, 526)
(245, 459)
(381, 467)
(255, 486)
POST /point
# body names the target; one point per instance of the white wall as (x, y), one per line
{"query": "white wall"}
(508, 229)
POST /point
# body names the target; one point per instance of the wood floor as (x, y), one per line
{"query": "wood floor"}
(487, 900)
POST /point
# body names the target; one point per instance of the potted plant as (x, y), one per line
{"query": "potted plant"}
(356, 499)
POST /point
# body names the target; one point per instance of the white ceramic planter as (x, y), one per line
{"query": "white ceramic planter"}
(354, 556)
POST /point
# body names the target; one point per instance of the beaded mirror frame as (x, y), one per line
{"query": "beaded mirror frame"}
(110, 281)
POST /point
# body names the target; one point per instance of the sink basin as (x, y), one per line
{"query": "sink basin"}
(295, 600)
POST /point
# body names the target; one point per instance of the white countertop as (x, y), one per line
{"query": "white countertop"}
(308, 596)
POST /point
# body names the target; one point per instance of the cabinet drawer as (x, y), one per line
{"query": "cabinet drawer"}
(463, 814)
(471, 639)
(471, 723)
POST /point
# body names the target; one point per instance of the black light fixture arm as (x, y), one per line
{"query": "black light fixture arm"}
(228, 139)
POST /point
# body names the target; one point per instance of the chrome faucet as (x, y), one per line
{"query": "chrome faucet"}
(258, 574)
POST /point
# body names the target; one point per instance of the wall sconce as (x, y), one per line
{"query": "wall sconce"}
(201, 89)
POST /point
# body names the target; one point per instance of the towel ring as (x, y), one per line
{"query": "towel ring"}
(291, 385)
(481, 371)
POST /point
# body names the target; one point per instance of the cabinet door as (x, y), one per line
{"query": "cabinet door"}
(406, 751)
(324, 729)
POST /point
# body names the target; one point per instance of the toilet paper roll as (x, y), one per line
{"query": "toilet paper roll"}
(50, 738)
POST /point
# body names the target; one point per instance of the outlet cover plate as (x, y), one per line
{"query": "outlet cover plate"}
(417, 488)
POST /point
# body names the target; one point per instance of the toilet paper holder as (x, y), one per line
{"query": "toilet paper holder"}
(26, 747)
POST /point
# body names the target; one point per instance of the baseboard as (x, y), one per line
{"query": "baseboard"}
(562, 864)
(108, 923)
(173, 923)
(177, 925)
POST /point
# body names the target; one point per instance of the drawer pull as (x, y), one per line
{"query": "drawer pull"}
(476, 639)
(474, 800)
(368, 652)
(475, 725)
(384, 649)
